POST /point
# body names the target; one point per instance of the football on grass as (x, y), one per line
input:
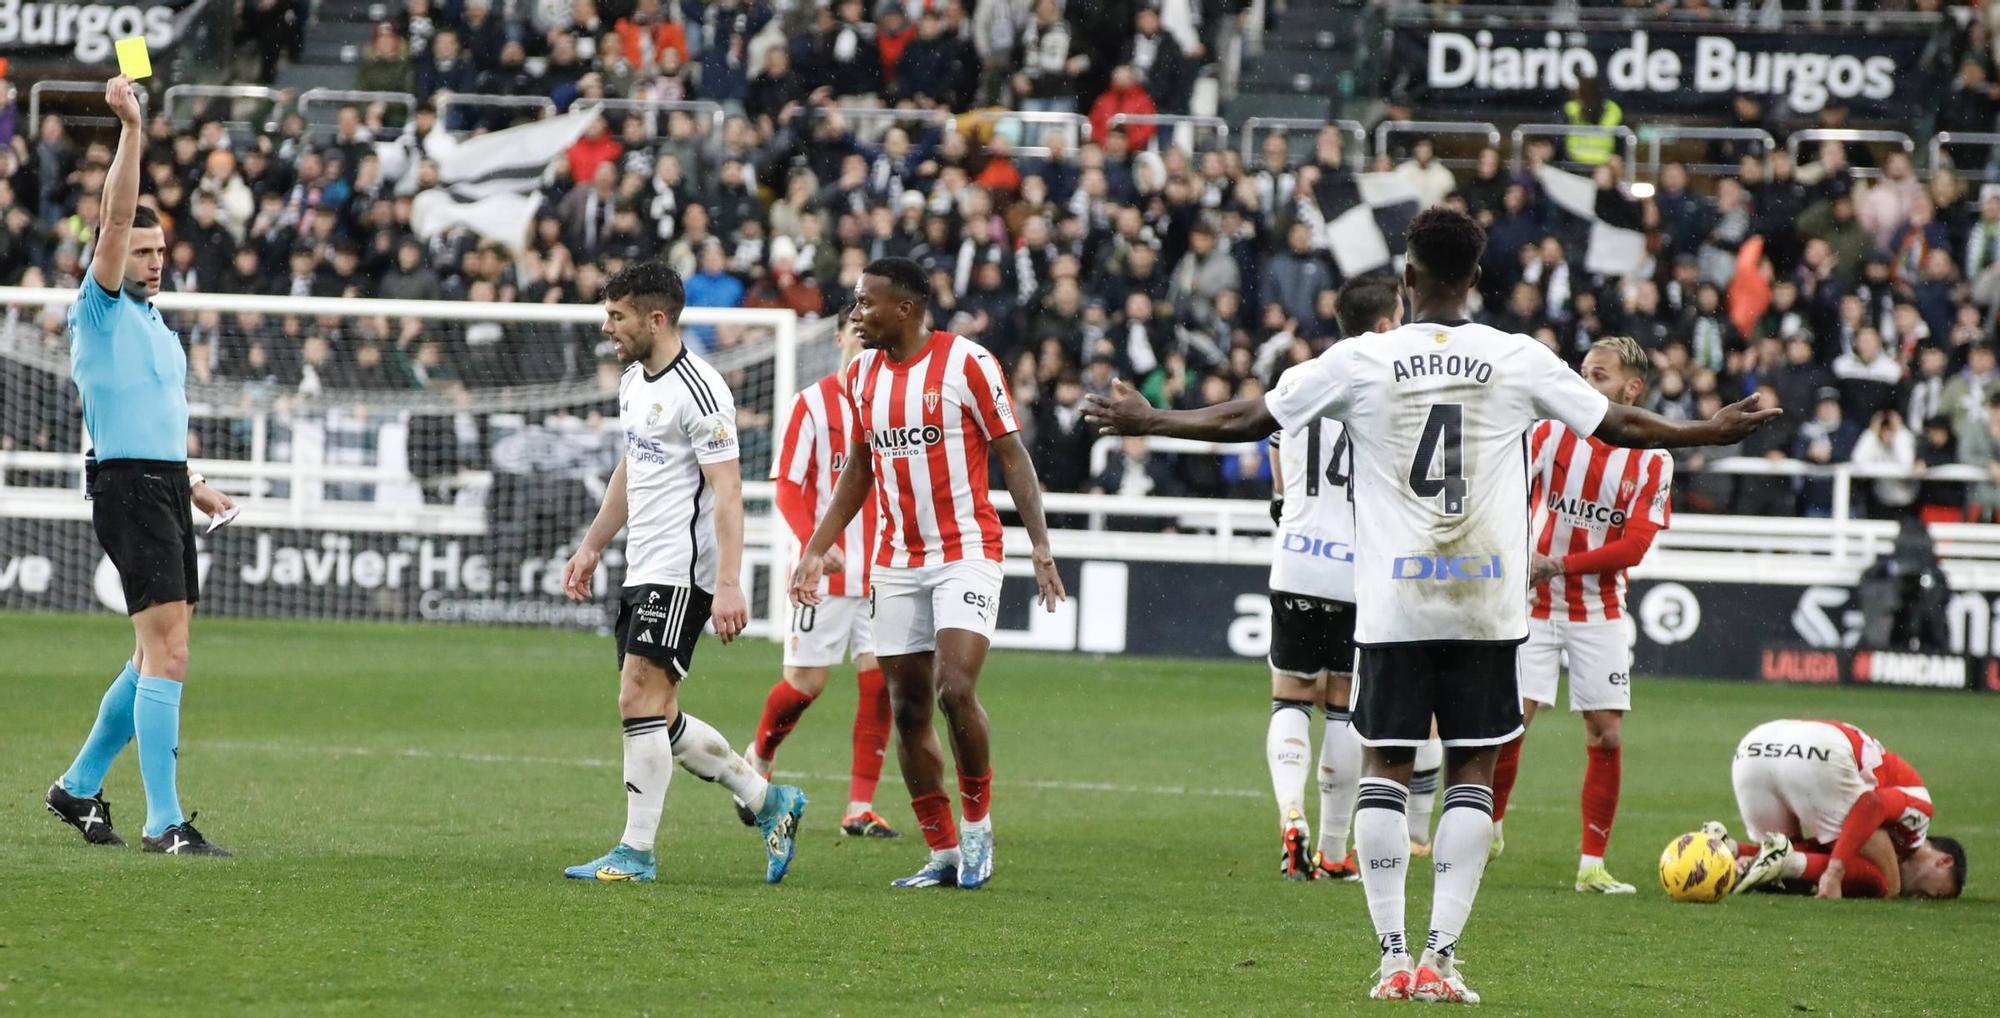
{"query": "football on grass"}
(1695, 867)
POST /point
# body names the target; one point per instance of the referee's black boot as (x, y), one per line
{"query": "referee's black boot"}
(183, 839)
(90, 816)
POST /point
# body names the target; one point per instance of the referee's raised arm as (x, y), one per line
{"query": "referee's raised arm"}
(121, 188)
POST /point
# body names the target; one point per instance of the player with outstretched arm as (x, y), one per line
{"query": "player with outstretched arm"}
(678, 486)
(819, 431)
(1829, 810)
(1312, 614)
(131, 372)
(933, 406)
(1435, 413)
(1596, 509)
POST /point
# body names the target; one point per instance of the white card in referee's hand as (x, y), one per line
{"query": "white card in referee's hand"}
(216, 523)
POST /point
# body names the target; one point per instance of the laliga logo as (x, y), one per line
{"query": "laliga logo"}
(1446, 567)
(1313, 547)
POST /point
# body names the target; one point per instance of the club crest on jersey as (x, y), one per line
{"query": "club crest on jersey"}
(653, 415)
(932, 400)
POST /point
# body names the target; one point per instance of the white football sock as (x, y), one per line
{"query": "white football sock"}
(1382, 848)
(649, 768)
(706, 755)
(1458, 861)
(1339, 783)
(1287, 747)
(856, 808)
(1423, 789)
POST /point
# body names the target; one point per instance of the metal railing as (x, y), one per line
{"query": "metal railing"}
(1939, 159)
(1848, 135)
(1076, 124)
(1356, 152)
(67, 87)
(1626, 140)
(1434, 128)
(178, 95)
(700, 110)
(353, 97)
(454, 100)
(1656, 136)
(874, 121)
(1181, 127)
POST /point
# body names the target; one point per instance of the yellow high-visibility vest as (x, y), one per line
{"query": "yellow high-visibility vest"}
(1592, 149)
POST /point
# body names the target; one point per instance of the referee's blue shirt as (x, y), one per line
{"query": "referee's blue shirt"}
(132, 373)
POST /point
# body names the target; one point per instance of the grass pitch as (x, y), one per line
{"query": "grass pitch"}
(402, 801)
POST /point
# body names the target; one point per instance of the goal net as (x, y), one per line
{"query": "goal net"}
(394, 460)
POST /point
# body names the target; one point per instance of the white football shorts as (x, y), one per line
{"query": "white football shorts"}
(824, 634)
(1796, 778)
(912, 605)
(1599, 660)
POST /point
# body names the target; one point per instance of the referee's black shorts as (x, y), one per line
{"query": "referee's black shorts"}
(142, 512)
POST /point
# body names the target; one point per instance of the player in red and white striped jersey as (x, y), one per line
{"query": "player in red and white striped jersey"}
(819, 431)
(1596, 508)
(1825, 806)
(932, 406)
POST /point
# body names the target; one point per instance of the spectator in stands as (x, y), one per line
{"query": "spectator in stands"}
(1888, 444)
(1431, 179)
(1971, 388)
(386, 66)
(1295, 276)
(647, 34)
(727, 26)
(1827, 439)
(483, 34)
(1158, 62)
(1126, 95)
(1869, 377)
(928, 72)
(1979, 447)
(1939, 501)
(445, 69)
(1049, 61)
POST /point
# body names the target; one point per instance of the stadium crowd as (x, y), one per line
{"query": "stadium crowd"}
(1863, 301)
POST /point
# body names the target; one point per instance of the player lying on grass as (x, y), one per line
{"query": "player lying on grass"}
(678, 487)
(1435, 413)
(1596, 508)
(1312, 616)
(819, 432)
(1826, 808)
(933, 406)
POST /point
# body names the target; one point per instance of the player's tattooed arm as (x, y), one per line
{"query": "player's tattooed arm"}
(581, 571)
(731, 610)
(1018, 468)
(1634, 428)
(849, 493)
(1126, 412)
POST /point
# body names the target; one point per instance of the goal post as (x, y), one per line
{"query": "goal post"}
(401, 460)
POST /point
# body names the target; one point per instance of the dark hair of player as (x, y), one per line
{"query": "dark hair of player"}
(1365, 300)
(1446, 245)
(1951, 847)
(904, 275)
(841, 316)
(650, 286)
(145, 218)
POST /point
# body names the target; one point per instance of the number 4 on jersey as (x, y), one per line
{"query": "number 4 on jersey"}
(1443, 432)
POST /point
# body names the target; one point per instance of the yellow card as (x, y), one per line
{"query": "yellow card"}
(134, 61)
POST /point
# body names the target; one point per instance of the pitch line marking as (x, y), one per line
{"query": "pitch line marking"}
(606, 763)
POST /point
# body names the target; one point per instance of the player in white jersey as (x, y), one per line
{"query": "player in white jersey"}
(1595, 510)
(678, 492)
(819, 431)
(1312, 615)
(933, 405)
(1436, 412)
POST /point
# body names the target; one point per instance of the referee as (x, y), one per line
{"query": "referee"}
(132, 374)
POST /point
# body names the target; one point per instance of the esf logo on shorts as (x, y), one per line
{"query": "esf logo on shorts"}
(1314, 547)
(898, 443)
(1446, 567)
(983, 603)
